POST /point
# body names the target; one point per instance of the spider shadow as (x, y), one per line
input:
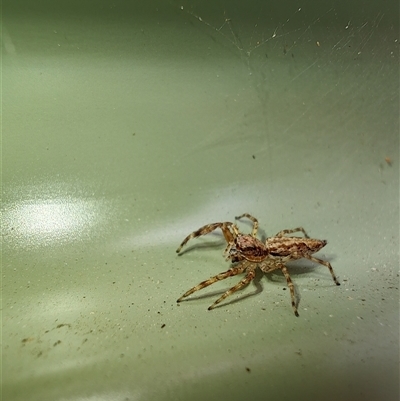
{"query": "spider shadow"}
(296, 268)
(203, 246)
(303, 266)
(259, 287)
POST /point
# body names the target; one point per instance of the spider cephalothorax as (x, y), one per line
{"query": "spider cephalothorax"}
(249, 248)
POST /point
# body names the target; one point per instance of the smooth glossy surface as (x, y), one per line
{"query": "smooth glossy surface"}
(127, 127)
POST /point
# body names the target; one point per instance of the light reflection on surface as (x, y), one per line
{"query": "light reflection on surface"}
(37, 223)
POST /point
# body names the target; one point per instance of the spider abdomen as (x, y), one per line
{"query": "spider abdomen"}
(294, 246)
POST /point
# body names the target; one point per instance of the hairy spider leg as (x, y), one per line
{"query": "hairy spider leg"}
(228, 249)
(253, 219)
(251, 273)
(291, 287)
(269, 265)
(222, 276)
(291, 231)
(208, 229)
(325, 263)
(231, 242)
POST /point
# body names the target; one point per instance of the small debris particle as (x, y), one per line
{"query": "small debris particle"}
(254, 156)
(163, 325)
(62, 325)
(248, 370)
(388, 160)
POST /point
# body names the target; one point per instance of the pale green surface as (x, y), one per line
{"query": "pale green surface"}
(126, 129)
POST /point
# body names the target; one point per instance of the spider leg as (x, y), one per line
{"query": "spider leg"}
(227, 250)
(253, 219)
(325, 263)
(242, 283)
(291, 287)
(290, 231)
(233, 271)
(269, 265)
(206, 230)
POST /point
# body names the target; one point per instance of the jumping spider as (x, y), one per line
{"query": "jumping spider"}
(247, 252)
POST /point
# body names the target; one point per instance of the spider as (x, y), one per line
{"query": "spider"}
(247, 252)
